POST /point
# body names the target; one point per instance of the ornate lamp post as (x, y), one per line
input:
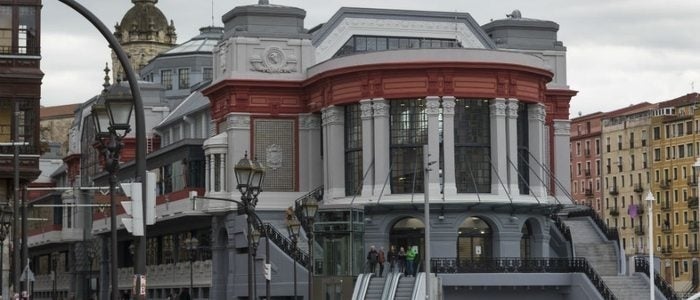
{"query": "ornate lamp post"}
(192, 246)
(650, 200)
(54, 273)
(255, 238)
(111, 120)
(294, 227)
(310, 207)
(250, 176)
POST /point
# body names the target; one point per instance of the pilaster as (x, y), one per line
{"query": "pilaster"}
(498, 147)
(448, 145)
(537, 159)
(381, 145)
(310, 167)
(238, 140)
(562, 134)
(432, 110)
(334, 144)
(512, 130)
(367, 147)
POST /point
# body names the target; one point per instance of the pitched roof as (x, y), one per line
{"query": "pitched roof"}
(67, 110)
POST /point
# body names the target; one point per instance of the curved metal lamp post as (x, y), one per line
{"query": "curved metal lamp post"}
(293, 228)
(140, 128)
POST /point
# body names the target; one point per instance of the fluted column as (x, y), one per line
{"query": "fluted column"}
(212, 174)
(432, 110)
(536, 134)
(382, 143)
(310, 167)
(562, 133)
(512, 129)
(498, 147)
(448, 145)
(367, 147)
(334, 143)
(207, 175)
(222, 171)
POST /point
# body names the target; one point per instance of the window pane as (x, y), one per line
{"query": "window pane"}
(5, 29)
(27, 40)
(166, 79)
(409, 132)
(184, 78)
(353, 150)
(472, 146)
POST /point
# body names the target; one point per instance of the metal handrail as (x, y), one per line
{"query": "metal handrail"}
(642, 265)
(284, 244)
(610, 233)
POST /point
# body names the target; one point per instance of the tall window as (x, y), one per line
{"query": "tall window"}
(524, 149)
(472, 146)
(21, 39)
(183, 76)
(409, 132)
(166, 79)
(207, 74)
(5, 29)
(353, 150)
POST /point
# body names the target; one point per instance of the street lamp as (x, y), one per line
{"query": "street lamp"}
(5, 223)
(309, 208)
(650, 201)
(192, 245)
(255, 238)
(250, 175)
(111, 115)
(293, 228)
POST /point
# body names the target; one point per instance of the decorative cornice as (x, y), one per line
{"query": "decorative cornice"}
(381, 108)
(448, 105)
(537, 112)
(498, 108)
(366, 109)
(432, 105)
(235, 121)
(562, 127)
(309, 122)
(512, 109)
(332, 115)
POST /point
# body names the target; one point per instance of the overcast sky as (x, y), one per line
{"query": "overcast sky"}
(619, 52)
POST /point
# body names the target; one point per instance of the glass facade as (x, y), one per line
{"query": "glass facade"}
(353, 150)
(408, 134)
(365, 43)
(523, 150)
(472, 146)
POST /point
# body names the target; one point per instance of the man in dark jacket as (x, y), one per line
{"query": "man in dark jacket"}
(372, 259)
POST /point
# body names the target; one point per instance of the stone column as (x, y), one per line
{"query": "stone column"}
(562, 134)
(382, 160)
(448, 146)
(498, 147)
(310, 168)
(238, 128)
(207, 174)
(368, 164)
(507, 244)
(334, 128)
(512, 162)
(432, 111)
(212, 174)
(537, 160)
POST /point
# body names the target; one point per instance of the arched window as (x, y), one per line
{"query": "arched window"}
(526, 241)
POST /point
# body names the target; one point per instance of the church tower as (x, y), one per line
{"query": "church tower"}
(144, 32)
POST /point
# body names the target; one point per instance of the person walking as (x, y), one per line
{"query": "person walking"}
(372, 259)
(410, 257)
(382, 259)
(402, 260)
(392, 258)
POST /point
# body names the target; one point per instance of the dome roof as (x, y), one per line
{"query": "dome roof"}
(144, 16)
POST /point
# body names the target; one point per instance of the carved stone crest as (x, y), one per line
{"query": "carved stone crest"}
(273, 156)
(273, 60)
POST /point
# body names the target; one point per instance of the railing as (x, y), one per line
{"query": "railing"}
(666, 228)
(285, 244)
(693, 225)
(638, 188)
(668, 250)
(693, 202)
(666, 206)
(665, 184)
(692, 181)
(614, 211)
(589, 192)
(639, 230)
(562, 227)
(610, 233)
(522, 265)
(642, 265)
(614, 191)
(693, 248)
(587, 172)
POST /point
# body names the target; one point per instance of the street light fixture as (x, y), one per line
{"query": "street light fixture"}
(5, 224)
(309, 208)
(250, 175)
(650, 201)
(192, 245)
(294, 227)
(111, 115)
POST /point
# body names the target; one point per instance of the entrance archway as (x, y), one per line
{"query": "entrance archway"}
(408, 232)
(474, 240)
(526, 240)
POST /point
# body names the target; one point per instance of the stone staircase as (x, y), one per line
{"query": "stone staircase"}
(602, 255)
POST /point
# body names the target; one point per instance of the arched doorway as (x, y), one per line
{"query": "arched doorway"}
(408, 232)
(526, 240)
(474, 240)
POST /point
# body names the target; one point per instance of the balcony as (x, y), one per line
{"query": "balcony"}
(693, 225)
(639, 230)
(693, 202)
(587, 153)
(587, 172)
(614, 191)
(614, 212)
(588, 192)
(665, 184)
(638, 188)
(693, 248)
(666, 229)
(668, 250)
(692, 181)
(666, 206)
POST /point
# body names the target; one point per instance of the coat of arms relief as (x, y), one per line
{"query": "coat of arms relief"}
(273, 60)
